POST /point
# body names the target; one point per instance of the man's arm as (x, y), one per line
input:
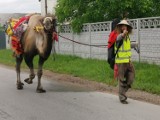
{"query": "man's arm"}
(119, 37)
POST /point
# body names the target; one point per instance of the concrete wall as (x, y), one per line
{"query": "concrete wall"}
(146, 32)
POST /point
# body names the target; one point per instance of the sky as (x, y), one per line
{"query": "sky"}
(20, 6)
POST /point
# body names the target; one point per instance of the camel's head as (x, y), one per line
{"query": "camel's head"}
(49, 24)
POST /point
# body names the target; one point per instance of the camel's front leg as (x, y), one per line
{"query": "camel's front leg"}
(29, 62)
(18, 64)
(31, 77)
(39, 73)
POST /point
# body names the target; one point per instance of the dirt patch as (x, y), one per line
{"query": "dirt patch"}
(134, 94)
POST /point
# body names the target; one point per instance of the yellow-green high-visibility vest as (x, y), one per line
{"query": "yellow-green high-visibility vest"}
(124, 53)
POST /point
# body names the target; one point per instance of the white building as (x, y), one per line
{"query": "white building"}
(48, 5)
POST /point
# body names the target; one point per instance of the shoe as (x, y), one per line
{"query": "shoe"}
(122, 97)
(123, 101)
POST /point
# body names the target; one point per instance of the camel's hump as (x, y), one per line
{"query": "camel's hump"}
(35, 20)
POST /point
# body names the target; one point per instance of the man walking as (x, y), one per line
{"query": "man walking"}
(126, 73)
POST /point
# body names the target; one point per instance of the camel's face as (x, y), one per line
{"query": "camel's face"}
(48, 25)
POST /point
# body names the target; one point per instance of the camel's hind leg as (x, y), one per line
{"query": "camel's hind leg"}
(39, 74)
(18, 64)
(29, 62)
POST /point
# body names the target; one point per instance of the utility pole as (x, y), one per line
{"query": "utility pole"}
(46, 7)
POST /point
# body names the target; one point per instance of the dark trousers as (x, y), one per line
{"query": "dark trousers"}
(126, 76)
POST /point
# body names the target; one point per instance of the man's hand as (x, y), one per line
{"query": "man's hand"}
(125, 32)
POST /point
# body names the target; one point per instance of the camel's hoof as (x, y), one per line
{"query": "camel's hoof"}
(28, 81)
(40, 91)
(20, 86)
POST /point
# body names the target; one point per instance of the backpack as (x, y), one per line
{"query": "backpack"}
(111, 52)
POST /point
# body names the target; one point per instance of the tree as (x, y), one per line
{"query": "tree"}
(86, 11)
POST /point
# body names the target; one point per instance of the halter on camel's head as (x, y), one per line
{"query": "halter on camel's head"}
(49, 24)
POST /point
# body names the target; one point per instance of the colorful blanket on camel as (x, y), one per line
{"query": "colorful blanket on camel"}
(16, 45)
(15, 31)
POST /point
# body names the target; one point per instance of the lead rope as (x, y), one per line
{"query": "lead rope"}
(99, 46)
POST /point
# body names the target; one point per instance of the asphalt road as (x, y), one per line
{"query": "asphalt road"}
(65, 102)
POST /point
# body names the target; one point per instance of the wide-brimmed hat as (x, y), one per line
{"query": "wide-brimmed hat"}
(124, 22)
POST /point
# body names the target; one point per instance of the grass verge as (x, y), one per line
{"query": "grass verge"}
(147, 75)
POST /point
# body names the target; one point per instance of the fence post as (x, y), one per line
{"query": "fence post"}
(72, 33)
(58, 47)
(110, 26)
(58, 31)
(90, 42)
(138, 38)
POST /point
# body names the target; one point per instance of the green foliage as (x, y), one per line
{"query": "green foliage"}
(147, 75)
(87, 11)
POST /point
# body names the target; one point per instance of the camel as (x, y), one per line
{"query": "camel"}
(36, 43)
